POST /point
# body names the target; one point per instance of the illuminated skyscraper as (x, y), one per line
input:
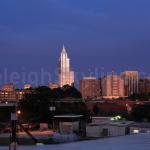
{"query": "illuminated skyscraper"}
(65, 75)
(131, 80)
(112, 86)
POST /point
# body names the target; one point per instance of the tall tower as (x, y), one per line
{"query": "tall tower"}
(112, 86)
(65, 75)
(131, 81)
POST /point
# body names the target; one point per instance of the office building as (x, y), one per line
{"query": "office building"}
(65, 75)
(144, 86)
(8, 87)
(90, 87)
(10, 94)
(112, 86)
(131, 79)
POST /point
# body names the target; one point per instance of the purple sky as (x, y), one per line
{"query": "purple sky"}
(96, 33)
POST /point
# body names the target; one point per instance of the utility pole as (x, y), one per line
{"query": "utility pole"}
(13, 136)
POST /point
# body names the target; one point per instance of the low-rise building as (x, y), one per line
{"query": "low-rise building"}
(108, 129)
(67, 124)
(140, 128)
(101, 119)
(7, 92)
(10, 94)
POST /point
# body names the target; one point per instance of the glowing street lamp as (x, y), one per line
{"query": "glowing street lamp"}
(18, 112)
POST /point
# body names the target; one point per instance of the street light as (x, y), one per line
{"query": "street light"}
(14, 121)
(13, 142)
(18, 112)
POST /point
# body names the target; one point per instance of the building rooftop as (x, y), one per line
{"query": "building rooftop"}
(113, 123)
(89, 78)
(142, 125)
(68, 116)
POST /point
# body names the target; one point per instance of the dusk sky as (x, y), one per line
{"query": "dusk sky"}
(96, 33)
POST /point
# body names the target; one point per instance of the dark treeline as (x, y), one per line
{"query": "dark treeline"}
(140, 113)
(36, 105)
(140, 96)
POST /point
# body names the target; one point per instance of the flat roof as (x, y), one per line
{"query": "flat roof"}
(142, 125)
(112, 123)
(101, 117)
(8, 104)
(89, 78)
(68, 116)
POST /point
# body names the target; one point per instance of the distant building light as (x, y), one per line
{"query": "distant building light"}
(27, 86)
(116, 118)
(136, 131)
(112, 119)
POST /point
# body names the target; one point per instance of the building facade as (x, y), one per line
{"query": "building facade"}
(65, 75)
(144, 86)
(112, 86)
(8, 87)
(10, 94)
(90, 87)
(131, 82)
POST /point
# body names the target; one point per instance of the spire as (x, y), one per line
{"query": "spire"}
(63, 49)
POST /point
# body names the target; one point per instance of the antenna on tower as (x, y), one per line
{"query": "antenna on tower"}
(63, 48)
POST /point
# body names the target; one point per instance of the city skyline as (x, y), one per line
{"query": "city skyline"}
(110, 35)
(44, 78)
(73, 71)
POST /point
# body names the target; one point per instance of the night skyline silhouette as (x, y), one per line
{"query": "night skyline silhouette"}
(108, 33)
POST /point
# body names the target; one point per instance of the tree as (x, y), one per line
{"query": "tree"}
(35, 106)
(140, 96)
(140, 112)
(56, 94)
(70, 91)
(96, 110)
